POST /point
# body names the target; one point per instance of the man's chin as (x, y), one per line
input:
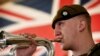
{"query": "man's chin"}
(62, 46)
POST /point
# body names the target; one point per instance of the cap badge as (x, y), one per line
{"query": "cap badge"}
(65, 13)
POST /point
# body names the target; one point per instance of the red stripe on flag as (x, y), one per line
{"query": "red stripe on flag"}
(98, 40)
(95, 22)
(94, 4)
(43, 31)
(15, 14)
(65, 2)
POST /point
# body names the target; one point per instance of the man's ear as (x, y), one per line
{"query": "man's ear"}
(82, 25)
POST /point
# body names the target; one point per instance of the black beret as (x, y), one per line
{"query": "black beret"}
(67, 12)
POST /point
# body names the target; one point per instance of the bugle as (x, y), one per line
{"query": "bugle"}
(10, 39)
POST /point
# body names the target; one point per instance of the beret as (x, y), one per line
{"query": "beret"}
(67, 12)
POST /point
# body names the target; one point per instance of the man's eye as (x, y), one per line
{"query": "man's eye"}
(59, 23)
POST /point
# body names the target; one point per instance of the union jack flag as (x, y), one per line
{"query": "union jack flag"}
(35, 16)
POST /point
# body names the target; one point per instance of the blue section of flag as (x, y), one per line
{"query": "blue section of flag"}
(4, 22)
(44, 5)
(82, 2)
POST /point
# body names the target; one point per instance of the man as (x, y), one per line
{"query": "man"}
(72, 26)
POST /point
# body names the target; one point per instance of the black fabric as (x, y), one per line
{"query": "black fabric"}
(95, 51)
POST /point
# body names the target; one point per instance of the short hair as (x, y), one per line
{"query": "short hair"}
(88, 21)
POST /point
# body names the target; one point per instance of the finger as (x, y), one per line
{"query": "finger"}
(34, 35)
(30, 37)
(33, 42)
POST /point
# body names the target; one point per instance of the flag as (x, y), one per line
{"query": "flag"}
(35, 17)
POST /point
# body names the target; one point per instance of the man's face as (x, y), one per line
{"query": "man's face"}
(66, 31)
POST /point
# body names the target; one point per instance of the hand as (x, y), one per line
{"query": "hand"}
(29, 50)
(6, 50)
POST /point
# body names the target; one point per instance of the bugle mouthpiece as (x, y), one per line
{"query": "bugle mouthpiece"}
(56, 40)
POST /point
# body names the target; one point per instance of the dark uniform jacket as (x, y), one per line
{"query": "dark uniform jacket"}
(95, 51)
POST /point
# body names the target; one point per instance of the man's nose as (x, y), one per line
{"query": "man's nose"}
(57, 30)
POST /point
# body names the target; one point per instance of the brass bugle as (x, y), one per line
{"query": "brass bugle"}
(18, 39)
(10, 39)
